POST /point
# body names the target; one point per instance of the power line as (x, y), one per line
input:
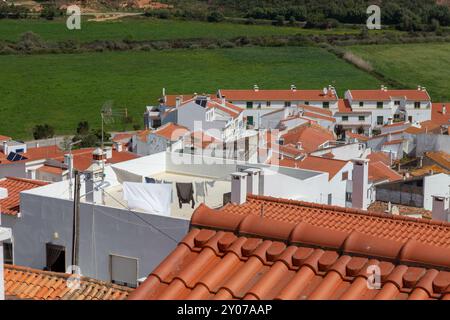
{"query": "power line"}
(142, 219)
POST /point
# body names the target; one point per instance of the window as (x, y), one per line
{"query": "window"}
(124, 270)
(361, 103)
(379, 105)
(344, 175)
(348, 196)
(8, 253)
(20, 150)
(330, 199)
(396, 116)
(287, 103)
(380, 120)
(250, 120)
(361, 118)
(344, 118)
(326, 105)
(410, 119)
(56, 257)
(249, 104)
(306, 103)
(417, 105)
(268, 103)
(397, 102)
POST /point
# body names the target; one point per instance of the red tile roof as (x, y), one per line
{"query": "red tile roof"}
(290, 150)
(231, 111)
(378, 171)
(395, 124)
(201, 140)
(46, 152)
(171, 99)
(428, 126)
(356, 136)
(436, 113)
(51, 169)
(392, 142)
(325, 112)
(318, 116)
(441, 158)
(33, 284)
(278, 95)
(171, 131)
(119, 137)
(11, 204)
(344, 106)
(4, 138)
(379, 156)
(300, 250)
(311, 136)
(381, 95)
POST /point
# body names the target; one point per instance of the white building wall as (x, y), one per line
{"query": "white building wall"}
(435, 185)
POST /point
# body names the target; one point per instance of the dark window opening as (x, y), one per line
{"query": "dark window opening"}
(8, 253)
(56, 258)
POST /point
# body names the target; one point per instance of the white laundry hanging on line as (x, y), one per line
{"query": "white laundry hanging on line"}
(150, 197)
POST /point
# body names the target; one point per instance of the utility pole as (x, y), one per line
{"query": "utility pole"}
(76, 221)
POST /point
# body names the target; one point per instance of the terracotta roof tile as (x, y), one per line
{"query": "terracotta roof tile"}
(278, 95)
(4, 138)
(378, 171)
(437, 116)
(344, 106)
(428, 126)
(171, 131)
(376, 156)
(441, 158)
(311, 136)
(356, 136)
(392, 142)
(234, 253)
(381, 95)
(11, 204)
(27, 283)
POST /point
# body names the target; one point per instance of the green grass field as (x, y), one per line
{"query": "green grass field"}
(63, 89)
(413, 64)
(141, 28)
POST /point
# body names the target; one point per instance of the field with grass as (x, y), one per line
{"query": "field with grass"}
(142, 28)
(63, 89)
(412, 64)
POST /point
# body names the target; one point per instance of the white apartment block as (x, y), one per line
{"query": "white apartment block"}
(257, 102)
(386, 106)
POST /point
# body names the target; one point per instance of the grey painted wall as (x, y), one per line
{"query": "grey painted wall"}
(432, 142)
(103, 231)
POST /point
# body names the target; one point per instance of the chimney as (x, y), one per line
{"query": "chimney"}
(5, 234)
(224, 100)
(93, 180)
(118, 146)
(98, 156)
(390, 121)
(3, 193)
(444, 109)
(419, 88)
(420, 161)
(255, 87)
(238, 187)
(5, 147)
(299, 145)
(293, 87)
(440, 208)
(108, 152)
(178, 101)
(253, 180)
(360, 184)
(68, 161)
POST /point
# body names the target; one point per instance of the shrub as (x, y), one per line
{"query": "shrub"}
(44, 131)
(215, 16)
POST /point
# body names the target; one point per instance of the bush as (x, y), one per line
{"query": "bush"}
(279, 21)
(215, 16)
(44, 131)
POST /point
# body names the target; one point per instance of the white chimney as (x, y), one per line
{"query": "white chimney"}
(253, 180)
(360, 181)
(440, 208)
(238, 187)
(94, 178)
(255, 87)
(177, 101)
(108, 152)
(5, 147)
(224, 100)
(293, 87)
(5, 234)
(419, 88)
(3, 193)
(118, 146)
(444, 109)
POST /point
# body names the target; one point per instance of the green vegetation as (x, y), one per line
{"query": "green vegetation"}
(412, 65)
(64, 89)
(145, 29)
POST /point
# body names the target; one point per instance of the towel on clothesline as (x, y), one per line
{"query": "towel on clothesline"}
(150, 197)
(185, 192)
(200, 190)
